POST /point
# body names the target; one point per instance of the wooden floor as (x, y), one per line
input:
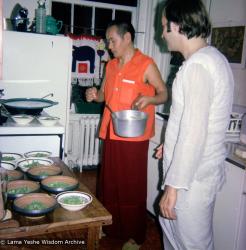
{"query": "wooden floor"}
(153, 237)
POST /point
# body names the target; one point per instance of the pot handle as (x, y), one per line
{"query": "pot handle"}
(59, 25)
(111, 111)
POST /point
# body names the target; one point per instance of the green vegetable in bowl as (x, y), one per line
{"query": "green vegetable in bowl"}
(35, 205)
(31, 165)
(58, 184)
(43, 173)
(8, 158)
(20, 190)
(39, 155)
(10, 178)
(74, 200)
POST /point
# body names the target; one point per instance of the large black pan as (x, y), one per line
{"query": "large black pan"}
(29, 106)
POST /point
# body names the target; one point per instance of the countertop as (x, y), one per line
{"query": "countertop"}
(10, 128)
(232, 157)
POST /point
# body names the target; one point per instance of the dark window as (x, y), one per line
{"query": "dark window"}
(102, 18)
(62, 12)
(122, 15)
(132, 3)
(82, 20)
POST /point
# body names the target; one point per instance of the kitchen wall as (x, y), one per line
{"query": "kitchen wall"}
(221, 11)
(232, 13)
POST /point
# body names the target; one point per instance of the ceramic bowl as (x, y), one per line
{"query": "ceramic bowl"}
(58, 184)
(48, 120)
(25, 164)
(38, 154)
(22, 119)
(42, 172)
(8, 165)
(74, 200)
(20, 187)
(11, 157)
(35, 204)
(14, 175)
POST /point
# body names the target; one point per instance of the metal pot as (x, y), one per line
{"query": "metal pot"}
(129, 123)
(29, 106)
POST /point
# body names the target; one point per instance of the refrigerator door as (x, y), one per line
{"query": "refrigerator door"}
(35, 65)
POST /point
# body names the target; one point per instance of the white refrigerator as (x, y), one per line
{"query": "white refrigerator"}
(35, 65)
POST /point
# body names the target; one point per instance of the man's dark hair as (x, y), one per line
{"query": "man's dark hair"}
(190, 15)
(123, 28)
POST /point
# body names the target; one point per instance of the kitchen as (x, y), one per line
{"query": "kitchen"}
(220, 12)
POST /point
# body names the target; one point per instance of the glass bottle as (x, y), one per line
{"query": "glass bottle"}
(40, 16)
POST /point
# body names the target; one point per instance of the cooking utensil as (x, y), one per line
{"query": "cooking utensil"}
(29, 106)
(50, 94)
(128, 123)
(111, 111)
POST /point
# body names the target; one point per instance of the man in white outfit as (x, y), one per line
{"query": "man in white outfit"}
(194, 151)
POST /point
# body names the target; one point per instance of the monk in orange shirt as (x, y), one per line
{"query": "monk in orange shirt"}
(131, 79)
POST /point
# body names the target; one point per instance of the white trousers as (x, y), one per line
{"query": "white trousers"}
(193, 228)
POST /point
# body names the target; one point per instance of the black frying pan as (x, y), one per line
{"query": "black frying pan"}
(29, 106)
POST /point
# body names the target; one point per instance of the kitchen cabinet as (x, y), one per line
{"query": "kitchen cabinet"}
(230, 211)
(15, 138)
(155, 168)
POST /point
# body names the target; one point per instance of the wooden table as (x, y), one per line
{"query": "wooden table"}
(91, 219)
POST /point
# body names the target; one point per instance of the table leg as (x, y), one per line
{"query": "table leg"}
(93, 238)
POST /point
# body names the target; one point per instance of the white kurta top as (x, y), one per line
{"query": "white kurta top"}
(201, 105)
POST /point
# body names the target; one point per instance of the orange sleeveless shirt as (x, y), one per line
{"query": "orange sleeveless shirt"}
(122, 87)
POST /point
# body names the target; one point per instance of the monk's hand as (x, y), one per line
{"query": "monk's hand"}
(168, 202)
(91, 94)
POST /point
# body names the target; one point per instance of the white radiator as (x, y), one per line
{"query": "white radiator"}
(84, 142)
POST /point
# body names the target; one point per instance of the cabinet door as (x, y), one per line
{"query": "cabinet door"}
(23, 144)
(227, 209)
(155, 169)
(242, 228)
(153, 188)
